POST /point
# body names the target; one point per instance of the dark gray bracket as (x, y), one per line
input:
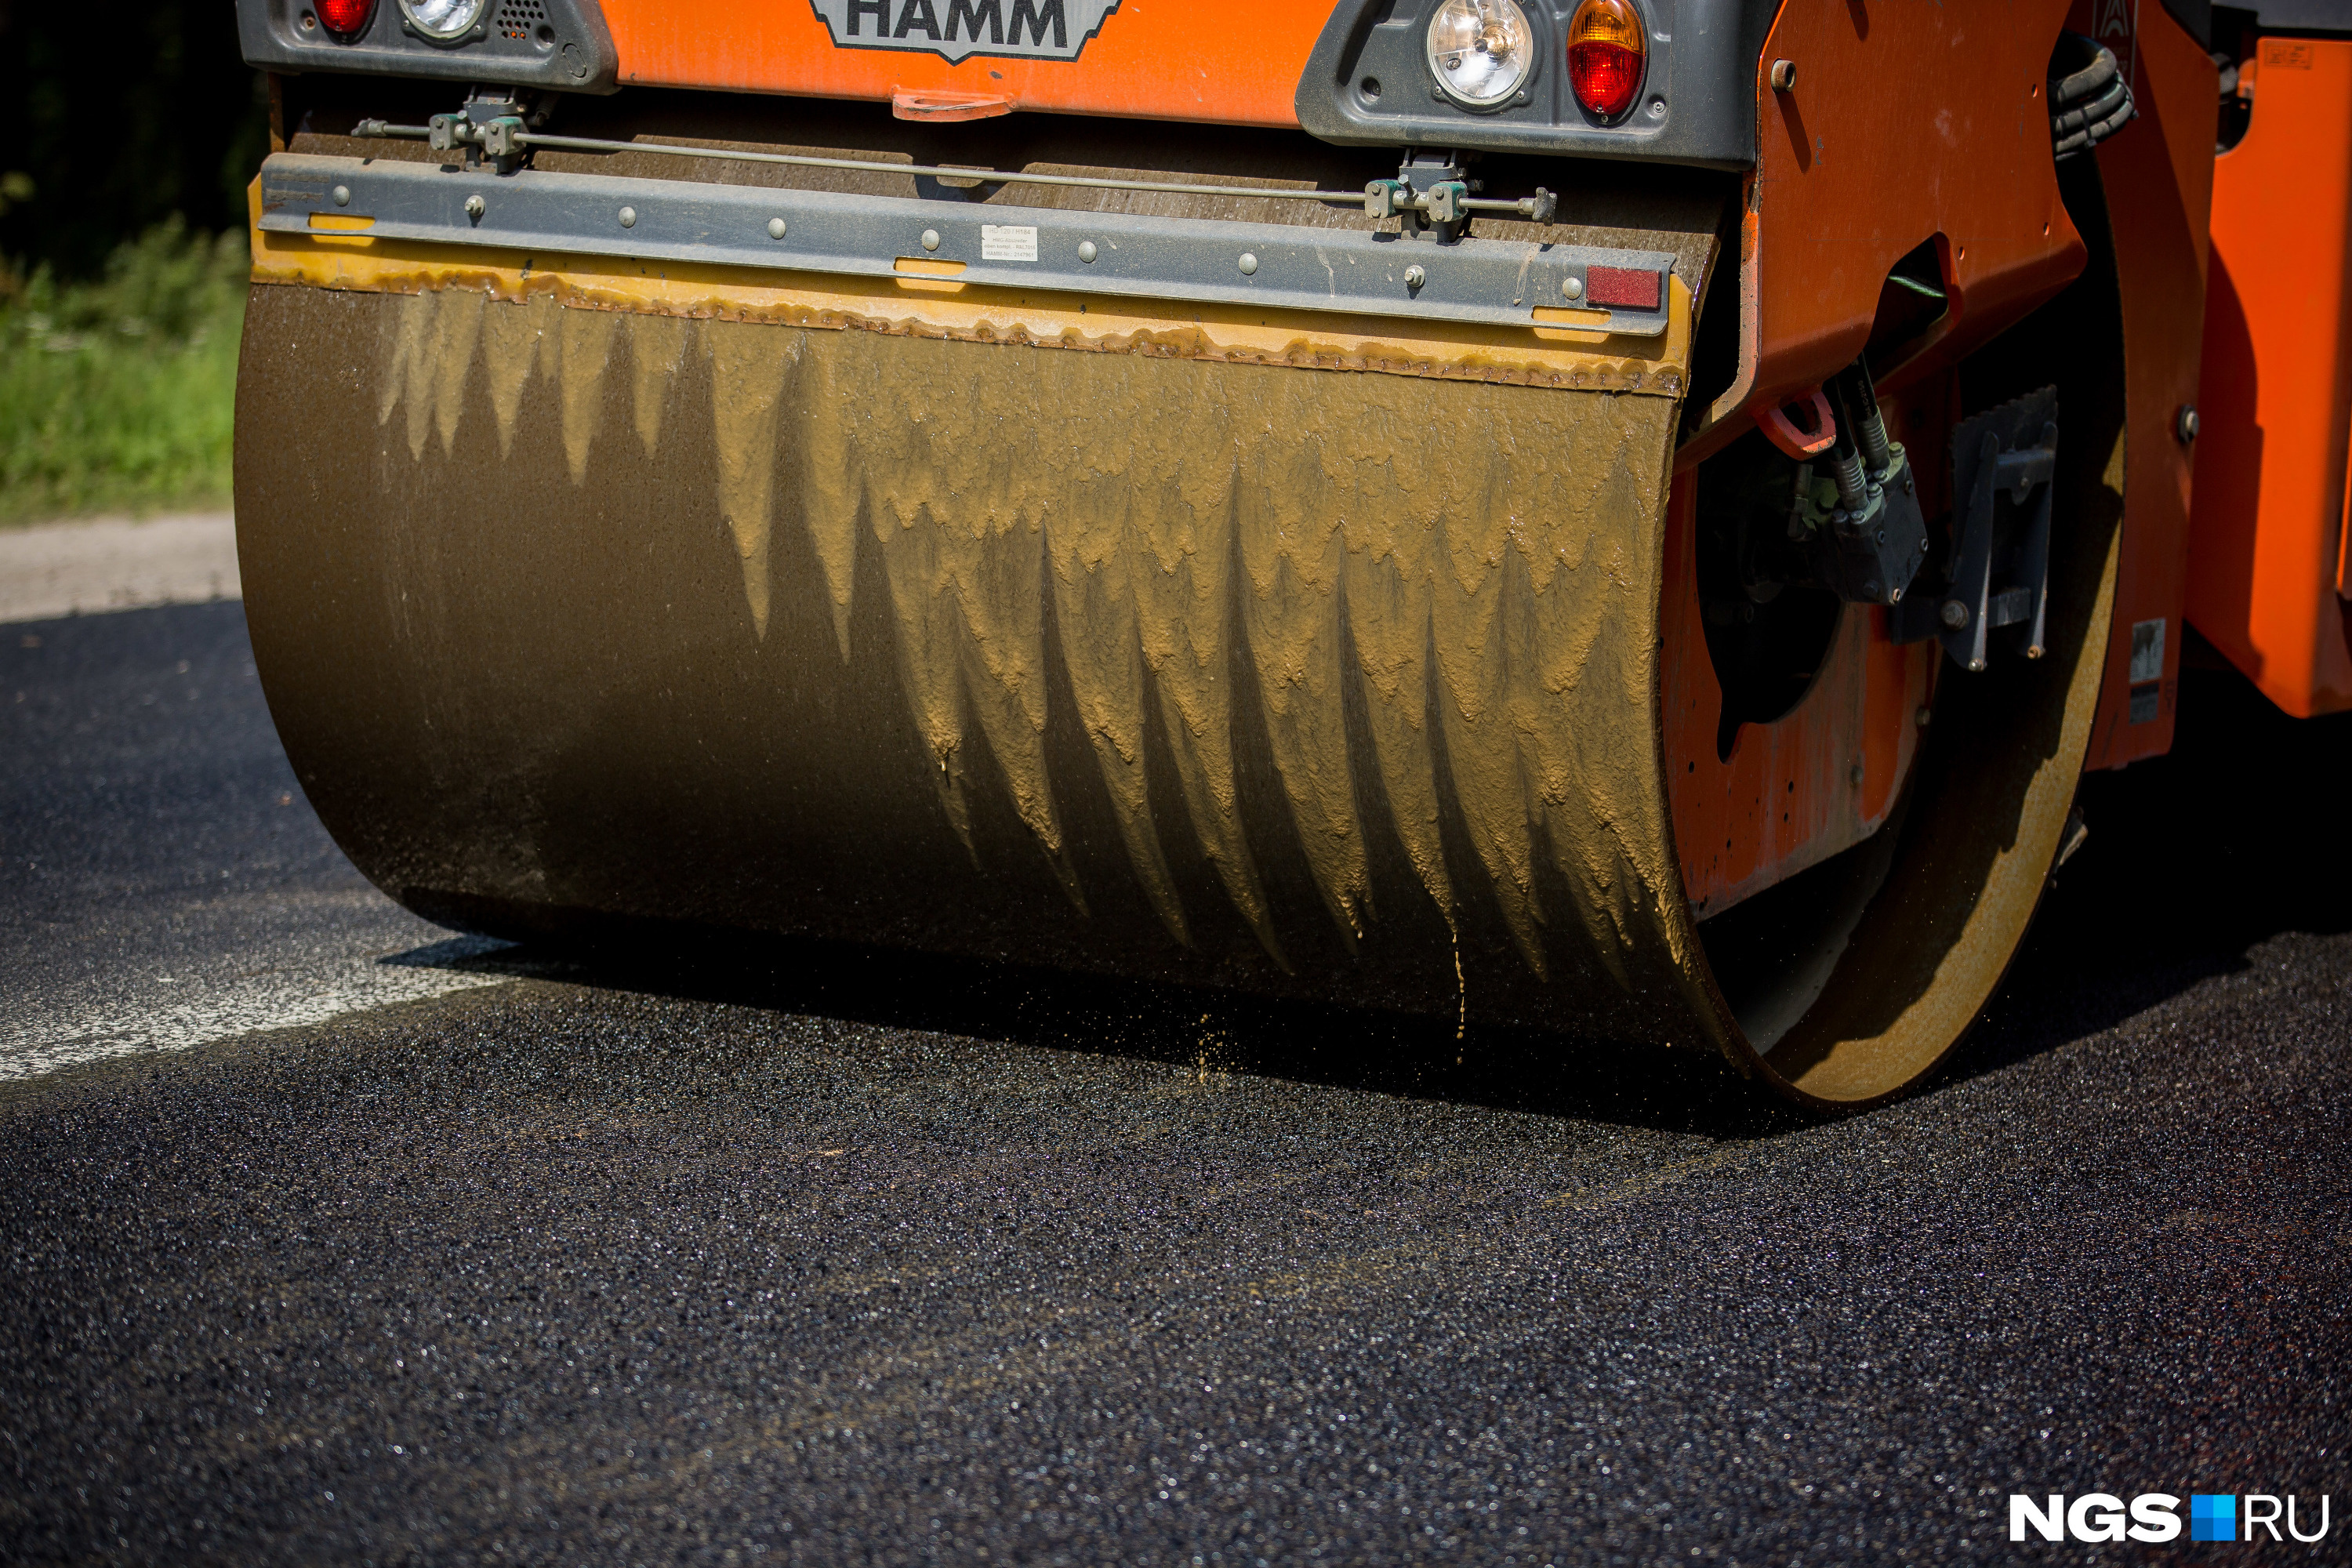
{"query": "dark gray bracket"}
(1869, 555)
(559, 44)
(1999, 569)
(1860, 525)
(1489, 283)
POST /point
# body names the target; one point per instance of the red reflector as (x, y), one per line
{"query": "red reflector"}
(345, 19)
(1626, 287)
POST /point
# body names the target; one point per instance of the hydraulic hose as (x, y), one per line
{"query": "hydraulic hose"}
(2089, 104)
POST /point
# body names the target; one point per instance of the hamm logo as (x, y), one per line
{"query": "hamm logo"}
(1019, 29)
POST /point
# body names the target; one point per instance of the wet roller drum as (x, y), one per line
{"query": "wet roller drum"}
(1307, 652)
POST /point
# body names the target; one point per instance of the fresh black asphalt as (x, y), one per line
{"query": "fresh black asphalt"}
(843, 1258)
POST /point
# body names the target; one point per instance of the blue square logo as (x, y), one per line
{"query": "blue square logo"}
(2213, 1516)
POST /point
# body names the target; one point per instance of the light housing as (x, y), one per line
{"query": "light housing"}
(1482, 52)
(345, 19)
(443, 21)
(1608, 50)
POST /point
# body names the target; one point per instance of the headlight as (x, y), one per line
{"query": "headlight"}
(1481, 51)
(443, 19)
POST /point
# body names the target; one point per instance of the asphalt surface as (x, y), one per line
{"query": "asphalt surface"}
(161, 881)
(837, 1256)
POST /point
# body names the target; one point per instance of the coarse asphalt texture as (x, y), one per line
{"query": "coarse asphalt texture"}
(838, 1257)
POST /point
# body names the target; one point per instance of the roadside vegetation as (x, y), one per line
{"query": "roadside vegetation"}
(118, 394)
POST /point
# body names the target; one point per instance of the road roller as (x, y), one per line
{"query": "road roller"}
(1623, 519)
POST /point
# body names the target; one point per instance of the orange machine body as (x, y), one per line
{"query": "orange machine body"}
(1228, 62)
(2266, 565)
(1883, 145)
(1851, 178)
(2158, 175)
(1879, 148)
(1845, 184)
(1791, 795)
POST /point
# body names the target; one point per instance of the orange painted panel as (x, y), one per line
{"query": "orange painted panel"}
(1906, 122)
(2267, 533)
(1233, 62)
(2157, 172)
(1787, 799)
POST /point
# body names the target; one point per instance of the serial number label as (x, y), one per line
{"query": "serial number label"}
(1007, 242)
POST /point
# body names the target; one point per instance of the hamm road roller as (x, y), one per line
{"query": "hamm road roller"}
(1629, 517)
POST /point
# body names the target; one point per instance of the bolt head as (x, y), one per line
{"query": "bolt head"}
(2187, 423)
(476, 206)
(1853, 776)
(1954, 614)
(1415, 275)
(1784, 76)
(628, 217)
(1923, 717)
(1976, 664)
(1573, 287)
(1087, 251)
(342, 195)
(775, 229)
(1249, 264)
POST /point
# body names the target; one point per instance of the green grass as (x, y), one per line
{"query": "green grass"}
(119, 394)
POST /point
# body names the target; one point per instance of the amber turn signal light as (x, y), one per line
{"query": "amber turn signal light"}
(1606, 52)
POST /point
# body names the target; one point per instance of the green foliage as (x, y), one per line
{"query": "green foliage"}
(120, 394)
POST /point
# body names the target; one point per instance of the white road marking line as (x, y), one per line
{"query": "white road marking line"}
(279, 999)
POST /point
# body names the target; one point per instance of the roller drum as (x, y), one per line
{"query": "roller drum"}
(1208, 649)
(1327, 684)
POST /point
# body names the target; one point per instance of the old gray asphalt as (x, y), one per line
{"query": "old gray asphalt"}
(843, 1258)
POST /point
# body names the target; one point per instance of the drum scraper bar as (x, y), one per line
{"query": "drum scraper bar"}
(1489, 282)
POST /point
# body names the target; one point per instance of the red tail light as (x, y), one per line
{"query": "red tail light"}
(1606, 52)
(345, 19)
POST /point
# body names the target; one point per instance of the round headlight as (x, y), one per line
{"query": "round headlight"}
(443, 19)
(1481, 52)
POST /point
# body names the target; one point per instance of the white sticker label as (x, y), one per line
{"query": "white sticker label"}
(1007, 242)
(2148, 651)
